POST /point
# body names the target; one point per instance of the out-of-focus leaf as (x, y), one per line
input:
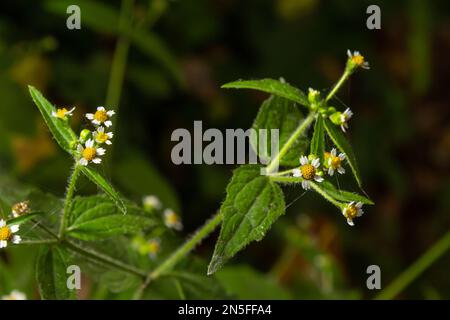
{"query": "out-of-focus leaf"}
(103, 18)
(341, 142)
(242, 282)
(101, 182)
(59, 128)
(51, 274)
(253, 203)
(272, 86)
(282, 114)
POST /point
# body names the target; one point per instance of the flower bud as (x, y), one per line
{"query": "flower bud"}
(313, 96)
(85, 135)
(336, 118)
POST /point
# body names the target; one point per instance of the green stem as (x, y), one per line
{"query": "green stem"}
(105, 259)
(181, 252)
(68, 200)
(119, 62)
(417, 268)
(281, 173)
(311, 183)
(300, 129)
(325, 195)
(339, 84)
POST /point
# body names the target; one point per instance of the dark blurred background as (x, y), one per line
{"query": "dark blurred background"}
(176, 54)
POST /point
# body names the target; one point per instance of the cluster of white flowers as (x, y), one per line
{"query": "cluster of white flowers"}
(89, 147)
(310, 170)
(91, 151)
(310, 167)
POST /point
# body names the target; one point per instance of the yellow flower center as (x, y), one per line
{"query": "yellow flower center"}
(308, 171)
(61, 113)
(101, 116)
(153, 247)
(5, 233)
(172, 218)
(102, 137)
(89, 153)
(351, 212)
(335, 162)
(358, 60)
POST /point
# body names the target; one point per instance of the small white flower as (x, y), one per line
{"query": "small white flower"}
(352, 210)
(357, 59)
(15, 295)
(101, 116)
(151, 202)
(153, 247)
(100, 136)
(7, 234)
(62, 113)
(335, 162)
(345, 117)
(90, 153)
(172, 220)
(308, 171)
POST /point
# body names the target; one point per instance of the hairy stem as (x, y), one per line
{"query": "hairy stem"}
(311, 183)
(68, 201)
(325, 195)
(300, 129)
(416, 269)
(339, 84)
(181, 252)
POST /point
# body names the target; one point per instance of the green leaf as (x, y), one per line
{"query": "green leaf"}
(51, 274)
(101, 182)
(318, 139)
(23, 218)
(94, 218)
(253, 203)
(341, 142)
(242, 282)
(272, 86)
(282, 114)
(342, 195)
(59, 128)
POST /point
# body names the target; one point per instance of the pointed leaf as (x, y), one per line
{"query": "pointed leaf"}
(272, 86)
(318, 139)
(59, 128)
(342, 195)
(101, 182)
(51, 274)
(253, 203)
(96, 217)
(341, 142)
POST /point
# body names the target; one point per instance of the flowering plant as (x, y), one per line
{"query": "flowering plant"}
(107, 234)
